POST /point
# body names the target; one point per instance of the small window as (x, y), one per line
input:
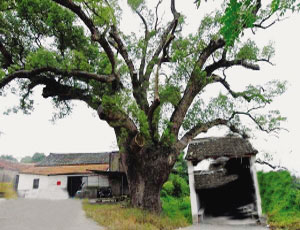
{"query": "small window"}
(36, 183)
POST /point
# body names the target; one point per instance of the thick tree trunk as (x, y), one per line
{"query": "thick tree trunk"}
(147, 171)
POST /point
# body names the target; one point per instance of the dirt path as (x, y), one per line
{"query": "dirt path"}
(26, 214)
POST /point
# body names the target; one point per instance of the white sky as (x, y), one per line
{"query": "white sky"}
(82, 131)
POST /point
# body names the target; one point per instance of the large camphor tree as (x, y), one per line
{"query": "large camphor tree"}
(148, 86)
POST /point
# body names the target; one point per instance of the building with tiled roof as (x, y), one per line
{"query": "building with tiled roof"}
(60, 176)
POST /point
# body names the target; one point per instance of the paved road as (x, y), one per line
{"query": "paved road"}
(25, 214)
(223, 227)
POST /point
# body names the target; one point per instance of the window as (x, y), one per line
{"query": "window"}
(36, 183)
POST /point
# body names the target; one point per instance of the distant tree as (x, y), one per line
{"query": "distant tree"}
(27, 159)
(37, 157)
(8, 158)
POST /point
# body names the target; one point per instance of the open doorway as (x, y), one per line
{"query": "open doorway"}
(74, 184)
(235, 199)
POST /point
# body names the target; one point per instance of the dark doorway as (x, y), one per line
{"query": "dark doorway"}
(234, 198)
(74, 184)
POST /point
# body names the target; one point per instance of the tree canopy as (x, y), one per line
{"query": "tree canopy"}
(8, 158)
(148, 86)
(37, 157)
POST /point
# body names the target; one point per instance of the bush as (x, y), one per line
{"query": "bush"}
(177, 208)
(176, 186)
(280, 199)
(175, 199)
(8, 190)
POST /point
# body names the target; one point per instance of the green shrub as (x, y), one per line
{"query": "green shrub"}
(176, 186)
(175, 198)
(8, 190)
(177, 208)
(280, 199)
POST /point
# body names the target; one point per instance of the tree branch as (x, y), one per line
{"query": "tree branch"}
(254, 120)
(170, 30)
(156, 13)
(117, 120)
(81, 75)
(194, 85)
(217, 78)
(145, 47)
(96, 36)
(226, 64)
(261, 162)
(123, 51)
(197, 129)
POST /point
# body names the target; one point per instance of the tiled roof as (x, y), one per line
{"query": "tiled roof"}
(14, 166)
(66, 169)
(214, 147)
(56, 159)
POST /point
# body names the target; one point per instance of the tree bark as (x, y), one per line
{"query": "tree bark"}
(147, 170)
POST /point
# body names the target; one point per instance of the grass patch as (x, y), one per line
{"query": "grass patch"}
(123, 217)
(280, 195)
(8, 190)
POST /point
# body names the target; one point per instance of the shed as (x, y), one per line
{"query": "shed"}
(229, 186)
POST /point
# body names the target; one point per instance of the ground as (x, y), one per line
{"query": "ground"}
(223, 227)
(30, 214)
(26, 214)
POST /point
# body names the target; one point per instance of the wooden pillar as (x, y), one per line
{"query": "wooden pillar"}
(195, 205)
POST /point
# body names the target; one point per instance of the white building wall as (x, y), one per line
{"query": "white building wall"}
(257, 193)
(98, 181)
(48, 187)
(195, 204)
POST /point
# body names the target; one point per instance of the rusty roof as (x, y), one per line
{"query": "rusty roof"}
(214, 147)
(66, 169)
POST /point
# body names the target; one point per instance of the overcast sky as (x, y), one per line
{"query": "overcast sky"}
(82, 131)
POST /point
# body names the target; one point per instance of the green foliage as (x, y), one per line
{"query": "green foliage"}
(41, 58)
(224, 106)
(8, 190)
(8, 158)
(181, 167)
(141, 119)
(175, 193)
(177, 208)
(268, 51)
(249, 51)
(170, 93)
(280, 199)
(27, 159)
(238, 15)
(37, 157)
(176, 186)
(135, 4)
(167, 137)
